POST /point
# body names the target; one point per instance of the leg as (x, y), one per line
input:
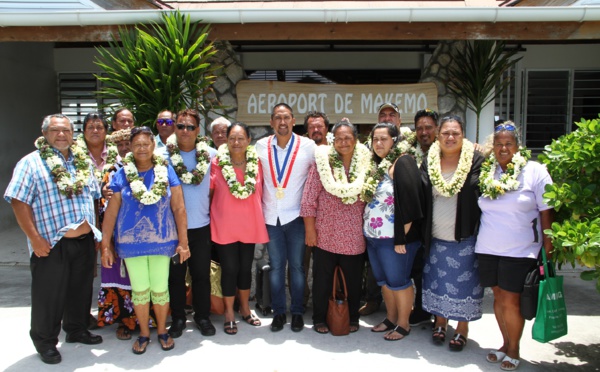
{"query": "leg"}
(419, 315)
(513, 323)
(159, 291)
(323, 265)
(230, 266)
(294, 234)
(246, 257)
(199, 265)
(306, 265)
(352, 267)
(177, 291)
(376, 253)
(277, 259)
(138, 268)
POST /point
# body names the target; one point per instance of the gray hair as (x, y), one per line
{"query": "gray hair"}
(219, 121)
(48, 119)
(507, 126)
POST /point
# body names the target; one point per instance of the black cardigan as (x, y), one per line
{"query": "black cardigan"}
(409, 200)
(467, 209)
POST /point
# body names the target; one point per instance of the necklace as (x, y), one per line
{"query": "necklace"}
(492, 188)
(449, 189)
(333, 176)
(377, 172)
(418, 153)
(111, 157)
(235, 187)
(202, 160)
(62, 177)
(138, 189)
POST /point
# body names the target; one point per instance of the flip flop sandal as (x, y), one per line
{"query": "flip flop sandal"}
(165, 338)
(388, 326)
(252, 320)
(321, 328)
(514, 362)
(439, 335)
(498, 354)
(459, 342)
(398, 330)
(123, 333)
(142, 343)
(230, 328)
(354, 326)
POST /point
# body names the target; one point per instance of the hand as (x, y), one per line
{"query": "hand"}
(310, 238)
(400, 249)
(478, 147)
(184, 253)
(41, 247)
(106, 192)
(108, 257)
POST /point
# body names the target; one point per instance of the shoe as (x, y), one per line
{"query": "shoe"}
(177, 327)
(50, 356)
(399, 330)
(321, 328)
(123, 333)
(297, 322)
(369, 308)
(142, 342)
(439, 335)
(416, 319)
(85, 338)
(163, 339)
(458, 342)
(206, 327)
(354, 327)
(389, 325)
(252, 320)
(497, 354)
(230, 328)
(514, 362)
(279, 321)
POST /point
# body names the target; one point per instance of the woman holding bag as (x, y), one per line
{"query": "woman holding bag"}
(513, 219)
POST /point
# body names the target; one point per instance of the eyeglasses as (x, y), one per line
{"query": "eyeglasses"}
(168, 122)
(394, 106)
(508, 127)
(190, 128)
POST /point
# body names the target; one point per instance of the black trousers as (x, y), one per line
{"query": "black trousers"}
(199, 265)
(236, 266)
(324, 264)
(61, 289)
(417, 275)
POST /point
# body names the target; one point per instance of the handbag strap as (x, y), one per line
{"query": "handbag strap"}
(339, 270)
(548, 270)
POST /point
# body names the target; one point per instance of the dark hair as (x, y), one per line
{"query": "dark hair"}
(239, 124)
(94, 116)
(507, 126)
(120, 110)
(140, 130)
(392, 131)
(455, 118)
(284, 105)
(316, 114)
(167, 110)
(189, 112)
(345, 123)
(429, 113)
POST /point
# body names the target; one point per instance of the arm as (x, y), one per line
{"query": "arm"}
(308, 207)
(310, 231)
(547, 218)
(178, 208)
(108, 227)
(24, 214)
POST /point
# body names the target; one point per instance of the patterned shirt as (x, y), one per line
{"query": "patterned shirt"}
(53, 213)
(379, 213)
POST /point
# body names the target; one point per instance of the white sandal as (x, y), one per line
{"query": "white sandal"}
(514, 362)
(498, 354)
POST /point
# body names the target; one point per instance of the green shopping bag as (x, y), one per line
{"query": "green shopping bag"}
(551, 318)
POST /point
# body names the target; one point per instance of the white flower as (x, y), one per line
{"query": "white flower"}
(236, 189)
(448, 189)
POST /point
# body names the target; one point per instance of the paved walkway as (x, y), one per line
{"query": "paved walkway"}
(258, 349)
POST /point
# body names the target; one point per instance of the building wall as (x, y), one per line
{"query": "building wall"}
(27, 94)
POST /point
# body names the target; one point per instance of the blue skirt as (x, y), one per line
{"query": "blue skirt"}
(451, 280)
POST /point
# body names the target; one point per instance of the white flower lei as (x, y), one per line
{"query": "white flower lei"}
(138, 189)
(202, 160)
(236, 189)
(62, 177)
(493, 188)
(111, 157)
(449, 189)
(333, 176)
(418, 153)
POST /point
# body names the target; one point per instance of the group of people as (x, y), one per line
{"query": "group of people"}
(424, 204)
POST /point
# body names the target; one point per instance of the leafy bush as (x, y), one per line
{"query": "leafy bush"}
(573, 161)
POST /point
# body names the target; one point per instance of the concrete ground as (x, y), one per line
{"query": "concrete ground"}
(258, 349)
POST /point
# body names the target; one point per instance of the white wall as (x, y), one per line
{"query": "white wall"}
(580, 56)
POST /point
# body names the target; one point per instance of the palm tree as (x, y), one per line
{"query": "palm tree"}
(160, 66)
(476, 76)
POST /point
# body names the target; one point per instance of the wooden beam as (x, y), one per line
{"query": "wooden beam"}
(382, 31)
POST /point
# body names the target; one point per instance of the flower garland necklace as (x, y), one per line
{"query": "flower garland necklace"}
(493, 188)
(111, 157)
(377, 172)
(202, 160)
(449, 189)
(138, 189)
(235, 187)
(418, 153)
(333, 176)
(62, 177)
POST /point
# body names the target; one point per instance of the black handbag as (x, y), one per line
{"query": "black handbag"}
(529, 296)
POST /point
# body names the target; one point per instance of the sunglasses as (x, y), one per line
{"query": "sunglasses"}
(189, 128)
(507, 127)
(168, 122)
(138, 130)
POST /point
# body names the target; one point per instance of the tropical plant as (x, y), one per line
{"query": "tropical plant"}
(477, 74)
(160, 66)
(573, 161)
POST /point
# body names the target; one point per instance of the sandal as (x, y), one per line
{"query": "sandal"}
(354, 327)
(164, 341)
(230, 328)
(123, 333)
(514, 362)
(439, 335)
(458, 342)
(499, 355)
(142, 342)
(321, 328)
(388, 326)
(252, 320)
(401, 331)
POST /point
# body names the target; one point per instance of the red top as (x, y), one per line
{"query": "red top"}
(232, 219)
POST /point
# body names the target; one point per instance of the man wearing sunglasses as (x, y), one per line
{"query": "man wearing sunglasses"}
(165, 125)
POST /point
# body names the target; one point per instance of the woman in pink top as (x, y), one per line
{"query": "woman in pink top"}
(236, 219)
